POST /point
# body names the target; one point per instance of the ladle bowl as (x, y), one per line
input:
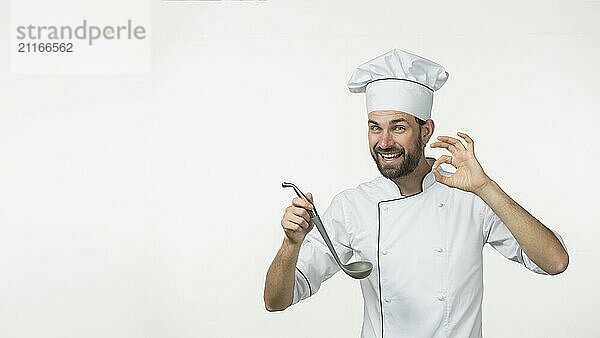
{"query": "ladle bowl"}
(358, 269)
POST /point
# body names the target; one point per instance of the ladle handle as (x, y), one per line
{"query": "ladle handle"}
(301, 195)
(317, 221)
(314, 216)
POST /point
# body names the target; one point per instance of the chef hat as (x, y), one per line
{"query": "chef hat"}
(398, 80)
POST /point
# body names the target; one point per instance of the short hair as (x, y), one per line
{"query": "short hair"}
(419, 121)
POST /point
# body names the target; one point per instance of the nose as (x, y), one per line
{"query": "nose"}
(386, 140)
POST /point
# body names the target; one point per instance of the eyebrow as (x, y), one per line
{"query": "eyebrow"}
(392, 121)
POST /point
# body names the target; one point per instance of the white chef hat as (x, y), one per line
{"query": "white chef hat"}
(398, 80)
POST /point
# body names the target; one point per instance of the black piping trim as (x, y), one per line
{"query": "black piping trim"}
(393, 78)
(488, 236)
(378, 247)
(307, 282)
(522, 259)
(379, 240)
(378, 264)
(378, 250)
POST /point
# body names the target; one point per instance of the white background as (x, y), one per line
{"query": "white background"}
(149, 205)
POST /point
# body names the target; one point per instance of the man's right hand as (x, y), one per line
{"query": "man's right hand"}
(296, 220)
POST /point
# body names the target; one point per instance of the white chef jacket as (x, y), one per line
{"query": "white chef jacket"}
(426, 250)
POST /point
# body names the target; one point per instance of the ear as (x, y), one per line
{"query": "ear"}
(427, 130)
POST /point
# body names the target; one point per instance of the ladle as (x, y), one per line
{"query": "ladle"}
(358, 269)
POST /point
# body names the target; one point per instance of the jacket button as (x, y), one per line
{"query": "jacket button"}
(441, 204)
(384, 208)
(441, 297)
(385, 252)
(387, 300)
(439, 249)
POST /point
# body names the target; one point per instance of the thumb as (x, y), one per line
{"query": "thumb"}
(310, 197)
(439, 177)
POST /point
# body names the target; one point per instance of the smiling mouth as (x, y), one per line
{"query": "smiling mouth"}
(390, 157)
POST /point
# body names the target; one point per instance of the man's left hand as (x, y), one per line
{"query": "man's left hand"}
(469, 175)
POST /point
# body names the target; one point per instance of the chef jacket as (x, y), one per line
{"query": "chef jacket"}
(427, 255)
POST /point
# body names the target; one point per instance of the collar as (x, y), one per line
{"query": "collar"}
(428, 180)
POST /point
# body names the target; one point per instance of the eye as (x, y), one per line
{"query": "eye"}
(399, 127)
(374, 127)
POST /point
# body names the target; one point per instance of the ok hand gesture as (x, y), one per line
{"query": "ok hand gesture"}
(469, 175)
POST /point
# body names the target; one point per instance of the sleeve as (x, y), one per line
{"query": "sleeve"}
(500, 238)
(315, 262)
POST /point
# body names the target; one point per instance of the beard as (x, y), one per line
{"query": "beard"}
(405, 167)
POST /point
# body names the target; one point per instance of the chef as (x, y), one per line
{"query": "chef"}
(423, 228)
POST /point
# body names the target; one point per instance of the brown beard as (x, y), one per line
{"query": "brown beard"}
(407, 166)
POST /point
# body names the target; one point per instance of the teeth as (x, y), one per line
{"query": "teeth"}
(389, 156)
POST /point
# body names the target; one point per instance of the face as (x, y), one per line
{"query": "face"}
(395, 142)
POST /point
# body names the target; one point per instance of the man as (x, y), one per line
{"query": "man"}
(422, 228)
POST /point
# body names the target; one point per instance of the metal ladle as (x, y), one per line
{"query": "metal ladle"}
(358, 269)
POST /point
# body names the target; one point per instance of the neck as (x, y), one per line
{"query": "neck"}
(411, 184)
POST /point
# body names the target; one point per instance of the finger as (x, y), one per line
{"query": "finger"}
(300, 202)
(450, 147)
(434, 168)
(301, 212)
(457, 143)
(440, 160)
(301, 221)
(470, 143)
(289, 225)
(439, 177)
